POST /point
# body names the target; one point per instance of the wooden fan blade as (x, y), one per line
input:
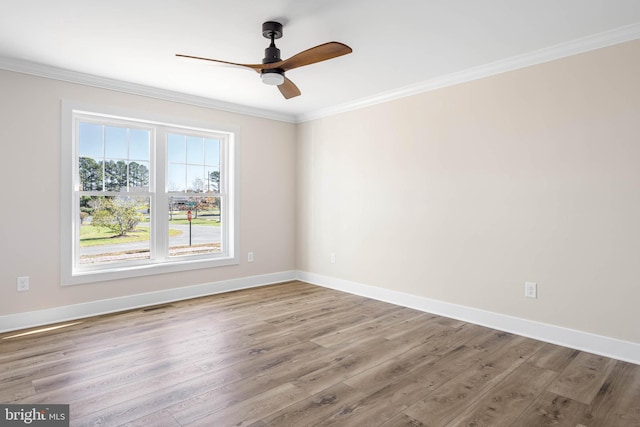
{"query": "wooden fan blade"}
(319, 53)
(288, 89)
(256, 67)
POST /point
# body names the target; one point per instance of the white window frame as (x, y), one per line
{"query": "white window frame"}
(72, 273)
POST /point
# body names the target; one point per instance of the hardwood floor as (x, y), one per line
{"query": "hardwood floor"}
(299, 355)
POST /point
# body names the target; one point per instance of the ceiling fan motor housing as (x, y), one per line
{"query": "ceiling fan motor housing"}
(271, 54)
(272, 31)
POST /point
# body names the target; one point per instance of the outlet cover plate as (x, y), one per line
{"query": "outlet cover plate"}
(530, 290)
(22, 283)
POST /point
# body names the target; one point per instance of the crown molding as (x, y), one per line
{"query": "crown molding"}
(55, 73)
(559, 51)
(574, 47)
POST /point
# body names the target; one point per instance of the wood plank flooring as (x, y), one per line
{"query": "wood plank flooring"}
(294, 354)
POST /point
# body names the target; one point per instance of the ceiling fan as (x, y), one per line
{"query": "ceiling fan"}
(273, 67)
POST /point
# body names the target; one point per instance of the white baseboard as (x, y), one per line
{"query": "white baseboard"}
(66, 313)
(584, 341)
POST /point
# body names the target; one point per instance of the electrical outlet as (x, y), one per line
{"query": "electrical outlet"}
(249, 256)
(530, 290)
(333, 257)
(22, 283)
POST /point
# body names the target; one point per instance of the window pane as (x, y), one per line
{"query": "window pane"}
(91, 174)
(139, 144)
(176, 150)
(212, 152)
(195, 179)
(200, 235)
(115, 175)
(138, 175)
(195, 150)
(90, 140)
(113, 229)
(115, 142)
(212, 177)
(176, 178)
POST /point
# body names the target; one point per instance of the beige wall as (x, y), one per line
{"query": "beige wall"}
(30, 177)
(460, 194)
(464, 193)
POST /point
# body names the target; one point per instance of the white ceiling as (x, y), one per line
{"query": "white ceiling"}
(396, 44)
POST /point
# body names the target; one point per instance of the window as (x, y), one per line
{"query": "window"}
(143, 196)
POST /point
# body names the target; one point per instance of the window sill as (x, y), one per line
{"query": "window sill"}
(126, 272)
